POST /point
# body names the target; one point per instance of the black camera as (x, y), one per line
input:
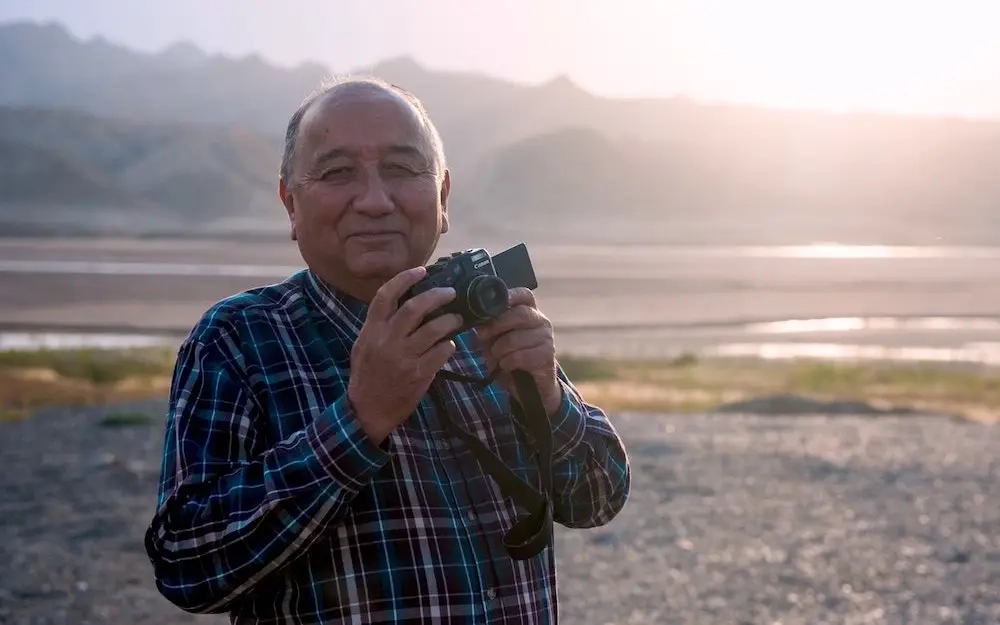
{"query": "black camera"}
(481, 282)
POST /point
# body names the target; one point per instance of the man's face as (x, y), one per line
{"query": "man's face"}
(365, 199)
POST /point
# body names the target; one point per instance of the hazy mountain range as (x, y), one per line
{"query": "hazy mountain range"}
(97, 138)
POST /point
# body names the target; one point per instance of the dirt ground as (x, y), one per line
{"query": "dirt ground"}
(732, 519)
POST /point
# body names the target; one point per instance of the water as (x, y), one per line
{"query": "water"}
(857, 324)
(541, 254)
(653, 342)
(974, 338)
(984, 353)
(830, 251)
(128, 268)
(31, 341)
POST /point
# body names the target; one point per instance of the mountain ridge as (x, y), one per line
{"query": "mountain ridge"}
(179, 140)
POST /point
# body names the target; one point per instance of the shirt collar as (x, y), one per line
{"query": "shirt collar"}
(342, 309)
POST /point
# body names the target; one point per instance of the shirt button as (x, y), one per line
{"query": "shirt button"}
(471, 514)
(491, 594)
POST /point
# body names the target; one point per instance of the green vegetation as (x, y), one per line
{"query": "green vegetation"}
(33, 379)
(93, 365)
(125, 419)
(688, 383)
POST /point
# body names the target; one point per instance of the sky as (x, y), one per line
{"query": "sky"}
(909, 56)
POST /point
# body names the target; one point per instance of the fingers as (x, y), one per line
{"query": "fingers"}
(521, 296)
(384, 303)
(516, 318)
(520, 339)
(507, 344)
(431, 332)
(411, 314)
(435, 357)
(533, 359)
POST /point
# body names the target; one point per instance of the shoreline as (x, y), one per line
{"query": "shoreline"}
(31, 380)
(648, 300)
(796, 319)
(623, 342)
(757, 323)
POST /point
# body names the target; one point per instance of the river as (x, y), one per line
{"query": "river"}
(821, 300)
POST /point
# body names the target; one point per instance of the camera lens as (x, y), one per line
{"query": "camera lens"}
(487, 296)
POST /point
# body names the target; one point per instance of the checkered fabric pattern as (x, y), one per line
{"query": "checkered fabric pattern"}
(274, 507)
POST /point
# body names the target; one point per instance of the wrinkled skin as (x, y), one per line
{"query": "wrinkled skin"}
(367, 201)
(365, 198)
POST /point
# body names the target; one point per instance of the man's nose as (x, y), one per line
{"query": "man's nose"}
(374, 197)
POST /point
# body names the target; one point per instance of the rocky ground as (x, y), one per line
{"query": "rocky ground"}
(733, 519)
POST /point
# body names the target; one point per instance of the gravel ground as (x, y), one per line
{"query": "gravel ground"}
(733, 519)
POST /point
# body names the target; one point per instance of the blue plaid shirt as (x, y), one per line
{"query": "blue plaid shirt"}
(275, 507)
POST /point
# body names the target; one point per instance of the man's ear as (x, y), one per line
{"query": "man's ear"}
(445, 194)
(288, 201)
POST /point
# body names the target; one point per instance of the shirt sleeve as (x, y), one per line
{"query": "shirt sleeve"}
(591, 472)
(233, 510)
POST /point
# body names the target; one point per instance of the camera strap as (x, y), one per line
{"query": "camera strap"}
(532, 532)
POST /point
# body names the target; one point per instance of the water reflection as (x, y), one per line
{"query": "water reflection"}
(831, 251)
(611, 344)
(932, 338)
(849, 324)
(838, 251)
(30, 341)
(542, 252)
(120, 268)
(982, 353)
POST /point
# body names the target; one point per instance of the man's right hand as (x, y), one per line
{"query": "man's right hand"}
(396, 355)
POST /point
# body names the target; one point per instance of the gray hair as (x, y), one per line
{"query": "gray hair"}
(292, 130)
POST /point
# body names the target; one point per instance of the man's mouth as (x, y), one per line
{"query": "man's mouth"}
(375, 233)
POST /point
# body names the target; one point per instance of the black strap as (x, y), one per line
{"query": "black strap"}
(532, 532)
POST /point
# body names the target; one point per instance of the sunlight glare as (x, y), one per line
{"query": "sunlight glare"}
(890, 54)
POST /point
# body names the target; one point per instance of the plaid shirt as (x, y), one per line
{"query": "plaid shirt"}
(275, 507)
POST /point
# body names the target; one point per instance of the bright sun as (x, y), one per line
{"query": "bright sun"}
(887, 54)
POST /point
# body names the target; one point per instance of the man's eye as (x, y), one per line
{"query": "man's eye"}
(337, 173)
(400, 169)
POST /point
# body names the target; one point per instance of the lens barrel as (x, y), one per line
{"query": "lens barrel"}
(486, 296)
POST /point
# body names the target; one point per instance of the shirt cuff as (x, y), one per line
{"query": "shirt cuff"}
(568, 424)
(343, 447)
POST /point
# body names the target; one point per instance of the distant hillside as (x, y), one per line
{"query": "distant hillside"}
(44, 66)
(182, 140)
(58, 168)
(744, 177)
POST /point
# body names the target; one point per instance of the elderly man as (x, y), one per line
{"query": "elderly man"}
(308, 474)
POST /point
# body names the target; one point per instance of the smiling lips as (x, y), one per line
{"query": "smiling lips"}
(374, 235)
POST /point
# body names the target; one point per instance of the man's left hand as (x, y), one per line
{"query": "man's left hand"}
(522, 338)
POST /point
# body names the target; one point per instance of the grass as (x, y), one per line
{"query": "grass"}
(125, 419)
(93, 365)
(690, 384)
(33, 379)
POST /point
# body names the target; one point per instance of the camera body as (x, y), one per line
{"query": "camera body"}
(481, 283)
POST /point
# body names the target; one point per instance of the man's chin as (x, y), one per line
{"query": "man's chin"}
(372, 268)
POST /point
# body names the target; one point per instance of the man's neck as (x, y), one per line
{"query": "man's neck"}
(363, 291)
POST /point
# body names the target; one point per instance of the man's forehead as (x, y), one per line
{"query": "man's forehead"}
(360, 108)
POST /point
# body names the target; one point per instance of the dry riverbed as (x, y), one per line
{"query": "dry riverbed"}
(733, 519)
